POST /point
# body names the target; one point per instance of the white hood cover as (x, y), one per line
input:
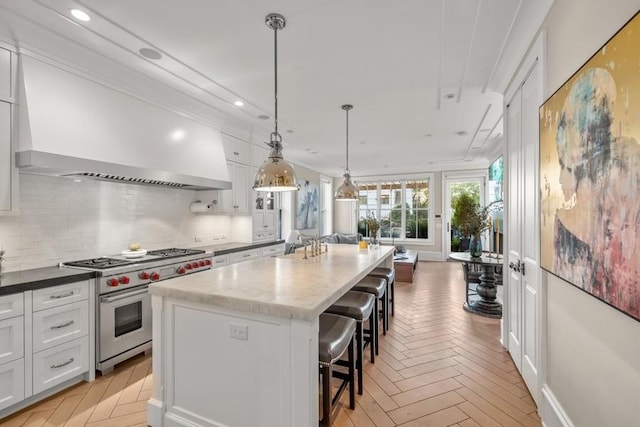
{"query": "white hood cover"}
(70, 125)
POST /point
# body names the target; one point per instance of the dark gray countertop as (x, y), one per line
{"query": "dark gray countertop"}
(227, 248)
(38, 278)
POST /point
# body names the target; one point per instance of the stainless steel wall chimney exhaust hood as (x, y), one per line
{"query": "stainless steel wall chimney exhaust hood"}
(70, 125)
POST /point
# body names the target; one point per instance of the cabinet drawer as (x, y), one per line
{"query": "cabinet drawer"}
(60, 295)
(60, 363)
(273, 250)
(11, 383)
(60, 324)
(220, 260)
(245, 255)
(11, 339)
(11, 305)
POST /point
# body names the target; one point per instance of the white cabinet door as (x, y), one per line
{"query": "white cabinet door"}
(221, 260)
(5, 74)
(11, 339)
(6, 174)
(11, 305)
(60, 324)
(236, 149)
(259, 154)
(245, 255)
(236, 200)
(11, 383)
(273, 250)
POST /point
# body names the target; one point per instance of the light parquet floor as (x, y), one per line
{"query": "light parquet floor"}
(438, 366)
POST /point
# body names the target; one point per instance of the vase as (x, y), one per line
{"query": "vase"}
(374, 240)
(475, 246)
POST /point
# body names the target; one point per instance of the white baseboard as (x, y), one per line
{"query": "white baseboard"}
(552, 413)
(430, 256)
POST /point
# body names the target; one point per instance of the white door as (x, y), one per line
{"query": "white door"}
(453, 184)
(530, 271)
(524, 296)
(513, 226)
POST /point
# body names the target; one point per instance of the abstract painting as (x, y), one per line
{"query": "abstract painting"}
(307, 206)
(590, 175)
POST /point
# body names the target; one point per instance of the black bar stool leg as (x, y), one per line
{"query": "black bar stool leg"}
(352, 368)
(326, 395)
(360, 342)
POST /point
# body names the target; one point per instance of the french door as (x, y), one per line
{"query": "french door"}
(453, 185)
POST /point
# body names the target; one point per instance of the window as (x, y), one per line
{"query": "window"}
(403, 207)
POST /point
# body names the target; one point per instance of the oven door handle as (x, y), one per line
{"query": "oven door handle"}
(109, 300)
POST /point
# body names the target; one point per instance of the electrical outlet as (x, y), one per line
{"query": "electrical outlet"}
(198, 239)
(239, 332)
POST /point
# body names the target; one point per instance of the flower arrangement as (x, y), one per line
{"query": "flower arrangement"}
(372, 224)
(471, 218)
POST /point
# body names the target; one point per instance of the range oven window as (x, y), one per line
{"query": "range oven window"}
(128, 318)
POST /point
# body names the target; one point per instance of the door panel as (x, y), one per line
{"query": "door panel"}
(531, 100)
(514, 135)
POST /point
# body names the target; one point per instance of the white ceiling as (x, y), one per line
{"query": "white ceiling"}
(418, 72)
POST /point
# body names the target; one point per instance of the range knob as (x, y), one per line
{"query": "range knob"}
(207, 262)
(187, 266)
(181, 270)
(201, 263)
(155, 277)
(194, 265)
(113, 282)
(124, 280)
(144, 275)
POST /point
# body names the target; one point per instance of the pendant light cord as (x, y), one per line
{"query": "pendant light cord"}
(347, 171)
(275, 62)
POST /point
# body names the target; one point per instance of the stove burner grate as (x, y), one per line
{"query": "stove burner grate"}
(99, 263)
(174, 252)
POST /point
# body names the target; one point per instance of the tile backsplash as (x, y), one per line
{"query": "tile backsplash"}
(63, 219)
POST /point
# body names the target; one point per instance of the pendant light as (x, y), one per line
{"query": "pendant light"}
(275, 174)
(347, 191)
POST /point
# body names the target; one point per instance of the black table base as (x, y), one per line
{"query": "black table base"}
(486, 304)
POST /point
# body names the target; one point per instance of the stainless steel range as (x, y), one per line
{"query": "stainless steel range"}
(123, 312)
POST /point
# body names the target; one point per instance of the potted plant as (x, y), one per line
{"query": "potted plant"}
(472, 219)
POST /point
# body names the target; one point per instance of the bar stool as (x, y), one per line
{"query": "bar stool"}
(377, 287)
(359, 306)
(390, 275)
(335, 337)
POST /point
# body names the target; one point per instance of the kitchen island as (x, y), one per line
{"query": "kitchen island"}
(238, 345)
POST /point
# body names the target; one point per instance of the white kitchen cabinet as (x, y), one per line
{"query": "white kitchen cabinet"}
(11, 306)
(46, 339)
(259, 153)
(236, 200)
(11, 339)
(6, 68)
(8, 185)
(264, 216)
(12, 334)
(236, 149)
(11, 383)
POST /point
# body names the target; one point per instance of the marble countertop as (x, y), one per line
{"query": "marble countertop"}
(286, 286)
(38, 278)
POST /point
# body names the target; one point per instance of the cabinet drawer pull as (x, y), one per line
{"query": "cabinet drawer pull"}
(60, 365)
(68, 294)
(63, 325)
(220, 260)
(246, 255)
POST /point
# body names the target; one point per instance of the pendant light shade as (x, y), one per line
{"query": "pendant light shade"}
(347, 191)
(275, 174)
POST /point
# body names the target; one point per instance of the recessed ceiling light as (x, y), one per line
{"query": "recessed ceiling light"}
(149, 53)
(450, 96)
(461, 133)
(80, 15)
(264, 117)
(238, 103)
